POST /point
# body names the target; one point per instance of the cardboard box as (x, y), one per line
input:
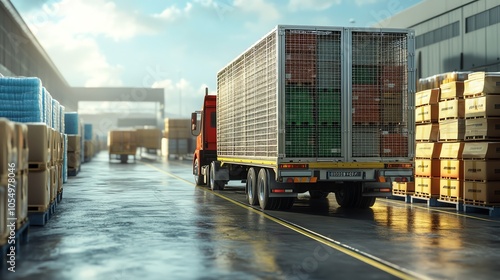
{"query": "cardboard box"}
(74, 160)
(483, 106)
(405, 187)
(452, 150)
(482, 192)
(482, 170)
(428, 150)
(427, 113)
(452, 130)
(482, 128)
(8, 148)
(22, 146)
(149, 138)
(39, 142)
(481, 150)
(429, 186)
(427, 132)
(451, 188)
(427, 97)
(427, 167)
(53, 183)
(39, 187)
(452, 168)
(482, 83)
(74, 143)
(21, 197)
(452, 90)
(4, 230)
(451, 109)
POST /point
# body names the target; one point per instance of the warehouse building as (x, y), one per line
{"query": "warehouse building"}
(452, 35)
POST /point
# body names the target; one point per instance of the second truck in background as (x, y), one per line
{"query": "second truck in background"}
(318, 109)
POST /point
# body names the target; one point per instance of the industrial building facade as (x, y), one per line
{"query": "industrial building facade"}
(453, 35)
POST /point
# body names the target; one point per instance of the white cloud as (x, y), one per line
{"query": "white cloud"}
(315, 5)
(264, 10)
(173, 13)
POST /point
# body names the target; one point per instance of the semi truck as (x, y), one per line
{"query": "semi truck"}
(311, 109)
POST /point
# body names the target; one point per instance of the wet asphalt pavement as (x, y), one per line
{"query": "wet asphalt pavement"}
(147, 220)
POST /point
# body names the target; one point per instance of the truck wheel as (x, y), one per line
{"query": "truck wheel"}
(198, 178)
(318, 194)
(348, 195)
(265, 202)
(123, 158)
(215, 184)
(251, 187)
(367, 202)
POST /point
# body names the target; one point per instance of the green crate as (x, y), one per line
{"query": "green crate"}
(299, 141)
(365, 75)
(329, 107)
(299, 105)
(329, 141)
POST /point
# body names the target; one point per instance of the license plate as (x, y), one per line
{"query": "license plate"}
(344, 174)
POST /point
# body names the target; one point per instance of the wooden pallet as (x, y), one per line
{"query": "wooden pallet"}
(481, 203)
(481, 138)
(450, 198)
(38, 166)
(38, 208)
(402, 192)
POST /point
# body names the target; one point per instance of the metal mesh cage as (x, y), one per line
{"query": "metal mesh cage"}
(312, 93)
(247, 113)
(379, 94)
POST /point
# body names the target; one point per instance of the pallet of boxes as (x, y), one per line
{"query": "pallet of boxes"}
(178, 139)
(482, 147)
(122, 144)
(439, 127)
(74, 146)
(149, 139)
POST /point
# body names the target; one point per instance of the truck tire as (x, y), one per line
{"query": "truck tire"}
(285, 203)
(215, 185)
(198, 178)
(251, 187)
(348, 195)
(265, 202)
(123, 158)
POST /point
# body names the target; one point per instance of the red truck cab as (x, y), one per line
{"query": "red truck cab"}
(204, 125)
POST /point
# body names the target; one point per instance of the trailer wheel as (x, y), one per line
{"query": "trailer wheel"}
(123, 158)
(251, 187)
(367, 202)
(285, 203)
(214, 184)
(265, 202)
(198, 178)
(348, 195)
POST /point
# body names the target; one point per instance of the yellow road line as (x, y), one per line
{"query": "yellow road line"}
(363, 257)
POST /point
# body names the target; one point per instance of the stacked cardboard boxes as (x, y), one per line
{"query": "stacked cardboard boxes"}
(482, 133)
(8, 163)
(40, 189)
(74, 154)
(122, 143)
(427, 149)
(179, 141)
(149, 138)
(21, 134)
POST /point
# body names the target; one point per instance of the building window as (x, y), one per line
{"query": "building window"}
(437, 35)
(482, 19)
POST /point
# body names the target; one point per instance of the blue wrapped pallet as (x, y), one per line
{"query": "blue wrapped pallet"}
(21, 99)
(47, 106)
(72, 123)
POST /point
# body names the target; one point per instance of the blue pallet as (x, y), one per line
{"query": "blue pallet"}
(493, 211)
(39, 218)
(59, 196)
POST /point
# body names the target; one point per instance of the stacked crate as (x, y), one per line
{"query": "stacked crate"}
(21, 132)
(74, 143)
(178, 135)
(451, 133)
(8, 162)
(427, 149)
(88, 148)
(149, 138)
(482, 133)
(40, 189)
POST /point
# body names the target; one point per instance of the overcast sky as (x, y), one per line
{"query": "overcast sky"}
(177, 45)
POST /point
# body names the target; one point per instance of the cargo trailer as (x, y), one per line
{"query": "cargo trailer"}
(317, 109)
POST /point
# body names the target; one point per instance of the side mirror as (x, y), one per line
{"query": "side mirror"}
(195, 123)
